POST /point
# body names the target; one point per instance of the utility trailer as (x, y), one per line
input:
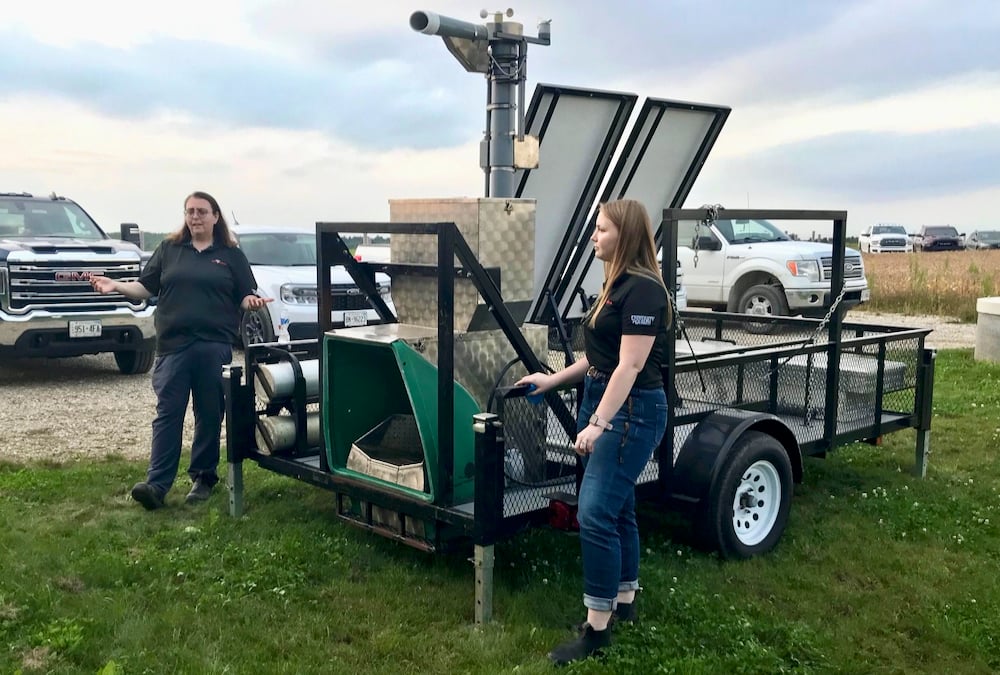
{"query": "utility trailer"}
(412, 423)
(387, 417)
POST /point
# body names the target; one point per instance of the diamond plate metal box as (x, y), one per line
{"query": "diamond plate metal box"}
(501, 234)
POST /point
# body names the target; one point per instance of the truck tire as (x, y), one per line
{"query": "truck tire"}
(255, 327)
(762, 300)
(134, 362)
(749, 501)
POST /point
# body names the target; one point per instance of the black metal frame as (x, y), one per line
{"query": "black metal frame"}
(483, 521)
(486, 522)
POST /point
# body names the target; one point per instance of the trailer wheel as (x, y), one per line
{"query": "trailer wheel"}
(762, 300)
(750, 499)
(255, 327)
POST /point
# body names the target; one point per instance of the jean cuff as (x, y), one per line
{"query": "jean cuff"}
(629, 586)
(599, 604)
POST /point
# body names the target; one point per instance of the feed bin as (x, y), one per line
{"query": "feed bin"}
(372, 375)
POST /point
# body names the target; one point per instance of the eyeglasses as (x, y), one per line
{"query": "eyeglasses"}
(198, 212)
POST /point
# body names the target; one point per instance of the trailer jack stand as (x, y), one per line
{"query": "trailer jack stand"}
(483, 562)
(234, 485)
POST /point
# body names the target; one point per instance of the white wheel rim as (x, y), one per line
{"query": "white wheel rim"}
(756, 503)
(759, 305)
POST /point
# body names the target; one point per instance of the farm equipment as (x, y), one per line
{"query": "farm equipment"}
(414, 426)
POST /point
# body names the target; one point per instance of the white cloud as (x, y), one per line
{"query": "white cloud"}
(302, 109)
(127, 23)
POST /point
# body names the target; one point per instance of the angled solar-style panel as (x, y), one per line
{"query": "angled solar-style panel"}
(578, 131)
(658, 165)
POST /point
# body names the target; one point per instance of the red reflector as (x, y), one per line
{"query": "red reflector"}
(562, 516)
(358, 258)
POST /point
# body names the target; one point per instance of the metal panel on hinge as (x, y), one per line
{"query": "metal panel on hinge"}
(578, 131)
(658, 165)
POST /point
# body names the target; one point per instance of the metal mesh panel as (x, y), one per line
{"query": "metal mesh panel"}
(539, 459)
(722, 364)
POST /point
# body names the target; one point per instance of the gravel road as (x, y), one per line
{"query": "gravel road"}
(66, 409)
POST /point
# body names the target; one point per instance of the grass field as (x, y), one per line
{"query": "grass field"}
(878, 572)
(945, 283)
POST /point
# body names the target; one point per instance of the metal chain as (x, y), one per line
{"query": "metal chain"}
(812, 338)
(829, 314)
(711, 215)
(680, 328)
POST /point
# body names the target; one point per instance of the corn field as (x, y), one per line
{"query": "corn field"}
(944, 284)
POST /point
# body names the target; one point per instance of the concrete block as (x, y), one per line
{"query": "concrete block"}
(988, 329)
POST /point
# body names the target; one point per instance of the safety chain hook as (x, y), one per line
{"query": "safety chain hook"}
(711, 215)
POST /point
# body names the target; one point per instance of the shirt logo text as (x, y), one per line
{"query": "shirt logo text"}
(642, 320)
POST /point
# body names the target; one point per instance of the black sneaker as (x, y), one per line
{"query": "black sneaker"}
(199, 492)
(589, 643)
(147, 495)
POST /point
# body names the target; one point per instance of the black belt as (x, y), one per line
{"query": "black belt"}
(596, 374)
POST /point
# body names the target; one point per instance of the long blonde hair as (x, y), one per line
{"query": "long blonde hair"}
(635, 252)
(221, 234)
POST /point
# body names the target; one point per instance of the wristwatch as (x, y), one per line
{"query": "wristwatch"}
(598, 422)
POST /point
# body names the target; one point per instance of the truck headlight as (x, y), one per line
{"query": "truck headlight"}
(806, 269)
(295, 294)
(3, 279)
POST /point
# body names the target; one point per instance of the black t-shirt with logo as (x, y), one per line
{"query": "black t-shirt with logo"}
(199, 293)
(637, 305)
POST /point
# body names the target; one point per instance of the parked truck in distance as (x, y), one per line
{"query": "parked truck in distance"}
(938, 238)
(49, 249)
(753, 267)
(885, 238)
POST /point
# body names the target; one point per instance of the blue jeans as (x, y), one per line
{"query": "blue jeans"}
(195, 371)
(609, 536)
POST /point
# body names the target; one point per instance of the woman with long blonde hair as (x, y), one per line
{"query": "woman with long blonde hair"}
(622, 418)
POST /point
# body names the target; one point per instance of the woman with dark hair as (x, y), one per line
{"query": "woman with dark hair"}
(202, 281)
(623, 415)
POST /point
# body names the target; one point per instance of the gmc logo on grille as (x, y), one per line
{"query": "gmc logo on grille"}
(76, 275)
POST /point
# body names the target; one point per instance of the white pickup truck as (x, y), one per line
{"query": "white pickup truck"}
(752, 267)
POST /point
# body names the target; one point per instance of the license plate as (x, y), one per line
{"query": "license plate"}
(355, 319)
(866, 295)
(85, 329)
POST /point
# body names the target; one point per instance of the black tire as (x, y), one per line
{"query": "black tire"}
(134, 363)
(255, 327)
(749, 502)
(762, 300)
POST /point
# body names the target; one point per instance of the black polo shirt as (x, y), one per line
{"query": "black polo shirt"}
(199, 293)
(637, 305)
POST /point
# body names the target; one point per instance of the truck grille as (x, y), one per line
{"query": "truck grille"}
(60, 283)
(349, 298)
(853, 269)
(893, 242)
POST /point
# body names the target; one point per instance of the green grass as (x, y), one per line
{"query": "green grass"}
(878, 572)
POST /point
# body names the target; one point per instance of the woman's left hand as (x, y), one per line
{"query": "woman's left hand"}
(586, 438)
(255, 302)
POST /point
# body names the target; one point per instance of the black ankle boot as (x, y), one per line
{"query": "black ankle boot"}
(589, 643)
(626, 612)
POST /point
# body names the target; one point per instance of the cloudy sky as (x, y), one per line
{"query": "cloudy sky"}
(293, 111)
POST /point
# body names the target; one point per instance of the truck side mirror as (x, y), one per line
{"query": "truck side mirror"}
(130, 233)
(709, 243)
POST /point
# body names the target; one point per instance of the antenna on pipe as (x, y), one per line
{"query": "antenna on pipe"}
(498, 49)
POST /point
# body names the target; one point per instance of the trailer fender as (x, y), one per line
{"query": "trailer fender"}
(705, 451)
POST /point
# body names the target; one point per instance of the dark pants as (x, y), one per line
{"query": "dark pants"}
(196, 370)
